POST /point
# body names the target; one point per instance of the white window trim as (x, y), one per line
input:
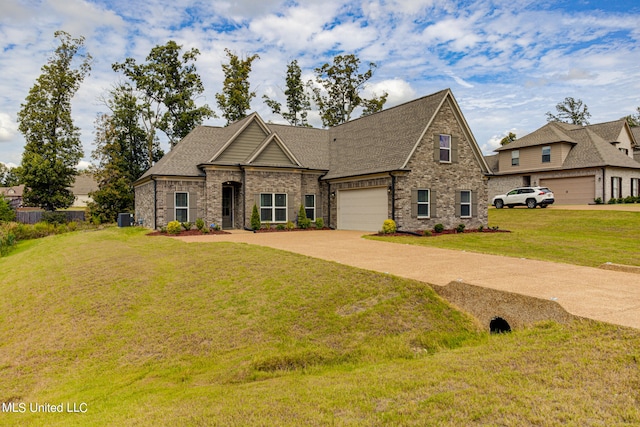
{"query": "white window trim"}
(310, 207)
(549, 147)
(445, 149)
(469, 203)
(635, 184)
(176, 207)
(274, 208)
(428, 203)
(515, 156)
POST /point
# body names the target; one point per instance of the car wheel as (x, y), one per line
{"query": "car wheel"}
(511, 206)
(543, 206)
(531, 203)
(499, 204)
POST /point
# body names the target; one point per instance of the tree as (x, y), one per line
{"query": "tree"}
(167, 86)
(7, 213)
(121, 153)
(338, 93)
(53, 147)
(508, 139)
(298, 102)
(571, 111)
(8, 176)
(633, 119)
(235, 99)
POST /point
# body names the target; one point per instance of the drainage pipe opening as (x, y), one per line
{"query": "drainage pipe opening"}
(498, 326)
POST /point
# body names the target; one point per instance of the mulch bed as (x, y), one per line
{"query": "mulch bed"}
(187, 233)
(273, 229)
(420, 233)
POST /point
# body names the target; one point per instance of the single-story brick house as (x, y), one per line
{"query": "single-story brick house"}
(417, 163)
(578, 163)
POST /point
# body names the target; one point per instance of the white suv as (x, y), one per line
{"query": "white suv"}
(525, 196)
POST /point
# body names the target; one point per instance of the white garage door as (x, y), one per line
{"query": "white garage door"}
(572, 191)
(363, 209)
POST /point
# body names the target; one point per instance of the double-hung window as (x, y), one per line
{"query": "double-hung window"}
(515, 157)
(465, 204)
(310, 206)
(182, 207)
(546, 154)
(635, 183)
(423, 204)
(445, 148)
(616, 184)
(273, 207)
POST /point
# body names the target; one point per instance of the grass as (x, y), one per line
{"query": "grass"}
(153, 331)
(589, 238)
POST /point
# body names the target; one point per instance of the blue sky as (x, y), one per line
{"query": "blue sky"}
(507, 62)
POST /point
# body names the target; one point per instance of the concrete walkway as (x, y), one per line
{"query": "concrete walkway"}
(609, 296)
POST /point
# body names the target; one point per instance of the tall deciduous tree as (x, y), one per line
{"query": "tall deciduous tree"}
(570, 111)
(235, 99)
(53, 148)
(8, 176)
(634, 119)
(340, 86)
(298, 101)
(121, 154)
(167, 86)
(508, 139)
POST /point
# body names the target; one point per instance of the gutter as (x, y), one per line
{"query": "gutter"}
(155, 201)
(393, 196)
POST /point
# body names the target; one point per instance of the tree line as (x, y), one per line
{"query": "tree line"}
(157, 95)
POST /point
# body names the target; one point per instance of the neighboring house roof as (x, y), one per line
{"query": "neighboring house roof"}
(12, 192)
(593, 145)
(84, 184)
(380, 142)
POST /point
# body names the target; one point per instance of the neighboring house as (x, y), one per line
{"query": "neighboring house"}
(636, 134)
(417, 163)
(13, 195)
(82, 186)
(578, 163)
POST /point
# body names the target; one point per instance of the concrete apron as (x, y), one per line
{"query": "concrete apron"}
(609, 296)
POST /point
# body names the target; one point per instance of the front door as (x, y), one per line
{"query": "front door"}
(227, 207)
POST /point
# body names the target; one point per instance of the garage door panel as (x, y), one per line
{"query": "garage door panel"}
(362, 209)
(572, 191)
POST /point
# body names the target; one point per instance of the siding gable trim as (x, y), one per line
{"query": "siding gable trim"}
(273, 139)
(253, 118)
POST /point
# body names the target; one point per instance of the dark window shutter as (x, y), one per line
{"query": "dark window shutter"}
(170, 213)
(318, 207)
(292, 211)
(454, 149)
(474, 204)
(414, 203)
(432, 204)
(436, 148)
(193, 206)
(458, 200)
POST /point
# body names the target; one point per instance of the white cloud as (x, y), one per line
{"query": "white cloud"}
(8, 128)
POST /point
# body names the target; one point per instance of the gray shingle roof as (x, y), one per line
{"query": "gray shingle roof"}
(380, 142)
(547, 134)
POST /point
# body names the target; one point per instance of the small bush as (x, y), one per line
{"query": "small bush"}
(6, 212)
(438, 228)
(174, 227)
(200, 224)
(629, 199)
(72, 226)
(598, 201)
(255, 218)
(52, 217)
(290, 225)
(215, 227)
(205, 230)
(481, 228)
(303, 221)
(186, 225)
(280, 227)
(319, 223)
(460, 228)
(427, 233)
(389, 226)
(612, 201)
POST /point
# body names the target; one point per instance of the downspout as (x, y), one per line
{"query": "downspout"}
(604, 186)
(329, 204)
(244, 198)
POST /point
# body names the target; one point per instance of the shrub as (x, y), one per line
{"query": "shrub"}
(72, 226)
(53, 217)
(389, 226)
(612, 201)
(6, 212)
(205, 230)
(174, 227)
(438, 228)
(280, 227)
(290, 225)
(200, 224)
(255, 218)
(598, 201)
(215, 227)
(7, 241)
(481, 228)
(319, 223)
(427, 233)
(303, 221)
(629, 199)
(460, 228)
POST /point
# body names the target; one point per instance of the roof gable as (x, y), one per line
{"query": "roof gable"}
(550, 133)
(273, 152)
(245, 142)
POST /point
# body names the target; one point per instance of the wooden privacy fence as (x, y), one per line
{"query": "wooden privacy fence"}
(31, 217)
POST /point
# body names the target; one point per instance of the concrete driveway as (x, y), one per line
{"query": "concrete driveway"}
(609, 296)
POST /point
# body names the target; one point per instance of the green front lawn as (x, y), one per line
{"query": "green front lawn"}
(588, 238)
(150, 331)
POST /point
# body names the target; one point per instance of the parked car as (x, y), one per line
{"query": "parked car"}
(525, 196)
